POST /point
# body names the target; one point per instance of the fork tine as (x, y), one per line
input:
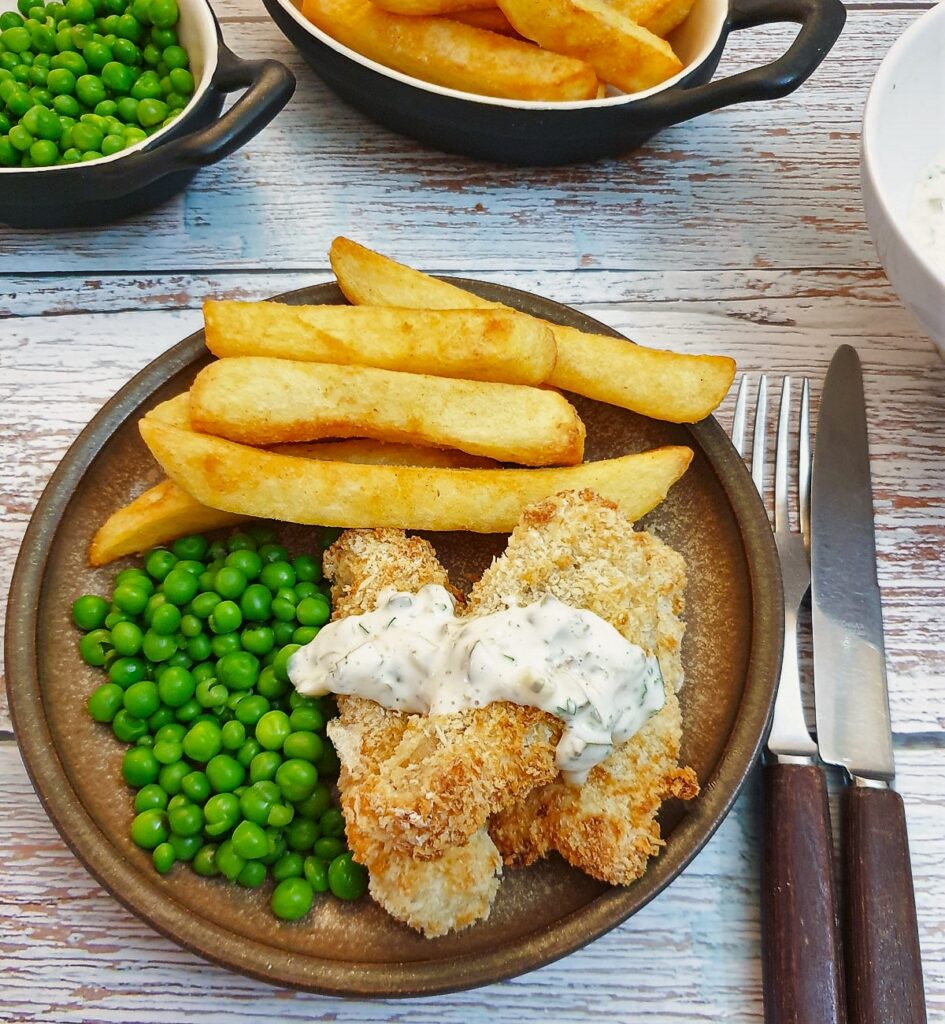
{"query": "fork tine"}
(804, 463)
(760, 436)
(782, 455)
(738, 418)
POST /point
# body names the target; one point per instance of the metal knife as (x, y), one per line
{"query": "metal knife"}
(883, 965)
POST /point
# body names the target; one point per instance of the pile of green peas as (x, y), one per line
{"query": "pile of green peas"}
(84, 79)
(231, 765)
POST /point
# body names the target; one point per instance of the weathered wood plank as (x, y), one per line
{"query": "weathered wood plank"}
(772, 185)
(70, 952)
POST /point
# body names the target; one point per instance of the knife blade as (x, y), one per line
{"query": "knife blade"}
(881, 943)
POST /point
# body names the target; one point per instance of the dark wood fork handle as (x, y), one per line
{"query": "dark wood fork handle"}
(801, 957)
(883, 967)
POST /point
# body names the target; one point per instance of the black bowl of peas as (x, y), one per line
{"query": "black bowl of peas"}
(109, 107)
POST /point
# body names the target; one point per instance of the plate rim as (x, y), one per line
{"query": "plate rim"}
(368, 979)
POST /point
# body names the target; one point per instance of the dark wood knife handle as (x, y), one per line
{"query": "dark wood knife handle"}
(801, 955)
(881, 937)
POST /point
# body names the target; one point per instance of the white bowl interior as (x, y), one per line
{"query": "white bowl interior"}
(198, 35)
(904, 128)
(693, 42)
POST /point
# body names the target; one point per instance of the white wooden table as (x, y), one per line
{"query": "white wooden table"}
(741, 232)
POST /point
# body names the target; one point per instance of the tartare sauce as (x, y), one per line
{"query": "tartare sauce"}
(926, 222)
(413, 654)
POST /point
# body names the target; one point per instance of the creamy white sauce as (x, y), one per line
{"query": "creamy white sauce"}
(414, 654)
(926, 222)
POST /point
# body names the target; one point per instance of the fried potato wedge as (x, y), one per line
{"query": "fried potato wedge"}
(247, 481)
(433, 6)
(617, 48)
(491, 19)
(452, 54)
(166, 512)
(475, 344)
(261, 401)
(664, 385)
(658, 16)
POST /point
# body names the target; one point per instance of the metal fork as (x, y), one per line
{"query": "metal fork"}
(800, 934)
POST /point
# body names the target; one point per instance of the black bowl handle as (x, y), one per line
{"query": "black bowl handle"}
(821, 22)
(269, 86)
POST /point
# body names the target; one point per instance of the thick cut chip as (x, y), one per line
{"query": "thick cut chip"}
(452, 54)
(659, 16)
(166, 511)
(617, 48)
(247, 481)
(262, 401)
(474, 344)
(433, 6)
(492, 19)
(665, 385)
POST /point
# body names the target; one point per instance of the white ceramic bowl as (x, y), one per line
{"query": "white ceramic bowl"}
(903, 136)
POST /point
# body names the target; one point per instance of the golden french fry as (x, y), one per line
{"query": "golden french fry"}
(248, 481)
(175, 411)
(166, 512)
(475, 344)
(617, 48)
(415, 7)
(452, 54)
(664, 385)
(492, 20)
(658, 16)
(256, 400)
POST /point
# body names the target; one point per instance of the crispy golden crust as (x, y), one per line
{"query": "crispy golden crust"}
(434, 896)
(581, 549)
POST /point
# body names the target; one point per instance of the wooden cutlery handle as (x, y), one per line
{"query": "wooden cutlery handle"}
(883, 966)
(801, 957)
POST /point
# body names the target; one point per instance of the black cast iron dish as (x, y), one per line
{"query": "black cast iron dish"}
(519, 132)
(144, 175)
(732, 651)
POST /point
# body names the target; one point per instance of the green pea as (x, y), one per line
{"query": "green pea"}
(94, 646)
(186, 820)
(270, 552)
(296, 778)
(264, 765)
(168, 752)
(281, 815)
(126, 638)
(10, 19)
(128, 597)
(130, 28)
(211, 694)
(16, 39)
(163, 857)
(79, 11)
(190, 626)
(126, 52)
(203, 604)
(306, 718)
(104, 702)
(292, 899)
(157, 647)
(9, 155)
(226, 617)
(315, 806)
(277, 574)
(301, 834)
(280, 665)
(166, 619)
(150, 798)
(125, 671)
(151, 112)
(160, 718)
(18, 103)
(199, 648)
(255, 602)
(257, 800)
(188, 712)
(290, 865)
(328, 847)
(176, 686)
(305, 589)
(253, 875)
(159, 562)
(268, 685)
(257, 641)
(66, 106)
(332, 822)
(171, 776)
(120, 78)
(229, 861)
(238, 670)
(196, 787)
(162, 39)
(316, 873)
(272, 729)
(180, 586)
(141, 699)
(244, 560)
(89, 611)
(205, 861)
(227, 643)
(347, 879)
(249, 841)
(127, 728)
(149, 828)
(140, 767)
(282, 634)
(221, 813)
(313, 611)
(202, 743)
(186, 847)
(304, 745)
(247, 752)
(225, 773)
(90, 90)
(164, 13)
(97, 55)
(230, 582)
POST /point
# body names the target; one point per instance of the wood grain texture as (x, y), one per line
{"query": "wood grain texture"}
(883, 960)
(741, 232)
(802, 965)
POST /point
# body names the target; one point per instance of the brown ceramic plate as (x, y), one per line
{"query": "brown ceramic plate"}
(733, 644)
